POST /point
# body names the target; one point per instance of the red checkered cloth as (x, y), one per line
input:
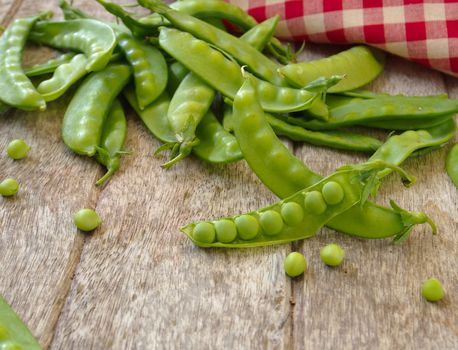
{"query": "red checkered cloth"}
(419, 30)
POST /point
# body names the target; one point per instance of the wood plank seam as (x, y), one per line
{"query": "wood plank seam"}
(11, 13)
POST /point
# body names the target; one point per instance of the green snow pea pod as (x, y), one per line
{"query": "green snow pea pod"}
(189, 104)
(260, 35)
(225, 75)
(331, 138)
(94, 38)
(264, 152)
(399, 147)
(112, 141)
(149, 68)
(385, 108)
(206, 9)
(176, 74)
(14, 334)
(285, 175)
(409, 123)
(16, 89)
(137, 28)
(154, 116)
(49, 66)
(360, 65)
(63, 78)
(452, 164)
(83, 121)
(216, 144)
(353, 180)
(241, 51)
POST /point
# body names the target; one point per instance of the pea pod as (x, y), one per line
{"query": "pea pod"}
(14, 334)
(259, 64)
(94, 38)
(63, 78)
(210, 9)
(149, 68)
(386, 108)
(360, 65)
(266, 155)
(399, 147)
(50, 66)
(296, 217)
(216, 144)
(225, 75)
(409, 123)
(285, 175)
(452, 164)
(189, 104)
(260, 35)
(112, 141)
(83, 121)
(15, 88)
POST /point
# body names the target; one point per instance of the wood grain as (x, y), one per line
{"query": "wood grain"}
(138, 283)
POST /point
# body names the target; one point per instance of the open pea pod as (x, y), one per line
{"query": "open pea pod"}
(296, 217)
(14, 334)
(50, 66)
(360, 65)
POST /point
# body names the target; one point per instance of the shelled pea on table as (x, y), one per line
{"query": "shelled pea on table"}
(205, 92)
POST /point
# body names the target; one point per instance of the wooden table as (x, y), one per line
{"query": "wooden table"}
(137, 283)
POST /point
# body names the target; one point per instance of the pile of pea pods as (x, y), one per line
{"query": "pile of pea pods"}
(225, 97)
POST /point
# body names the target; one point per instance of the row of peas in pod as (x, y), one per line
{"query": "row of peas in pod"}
(224, 97)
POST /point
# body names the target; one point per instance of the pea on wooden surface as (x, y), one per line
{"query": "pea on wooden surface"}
(432, 290)
(18, 149)
(86, 220)
(295, 264)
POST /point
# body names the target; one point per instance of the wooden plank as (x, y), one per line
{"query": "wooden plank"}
(39, 245)
(138, 274)
(8, 9)
(373, 300)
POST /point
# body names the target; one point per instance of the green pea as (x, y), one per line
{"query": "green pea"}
(18, 149)
(86, 220)
(295, 264)
(9, 187)
(271, 222)
(315, 203)
(292, 213)
(247, 226)
(332, 193)
(226, 231)
(332, 254)
(432, 290)
(204, 232)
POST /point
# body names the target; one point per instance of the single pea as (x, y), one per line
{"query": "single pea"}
(86, 220)
(247, 226)
(332, 254)
(314, 202)
(292, 213)
(271, 222)
(432, 290)
(295, 264)
(204, 232)
(226, 231)
(18, 149)
(9, 187)
(332, 192)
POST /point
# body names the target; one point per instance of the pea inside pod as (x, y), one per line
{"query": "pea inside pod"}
(295, 217)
